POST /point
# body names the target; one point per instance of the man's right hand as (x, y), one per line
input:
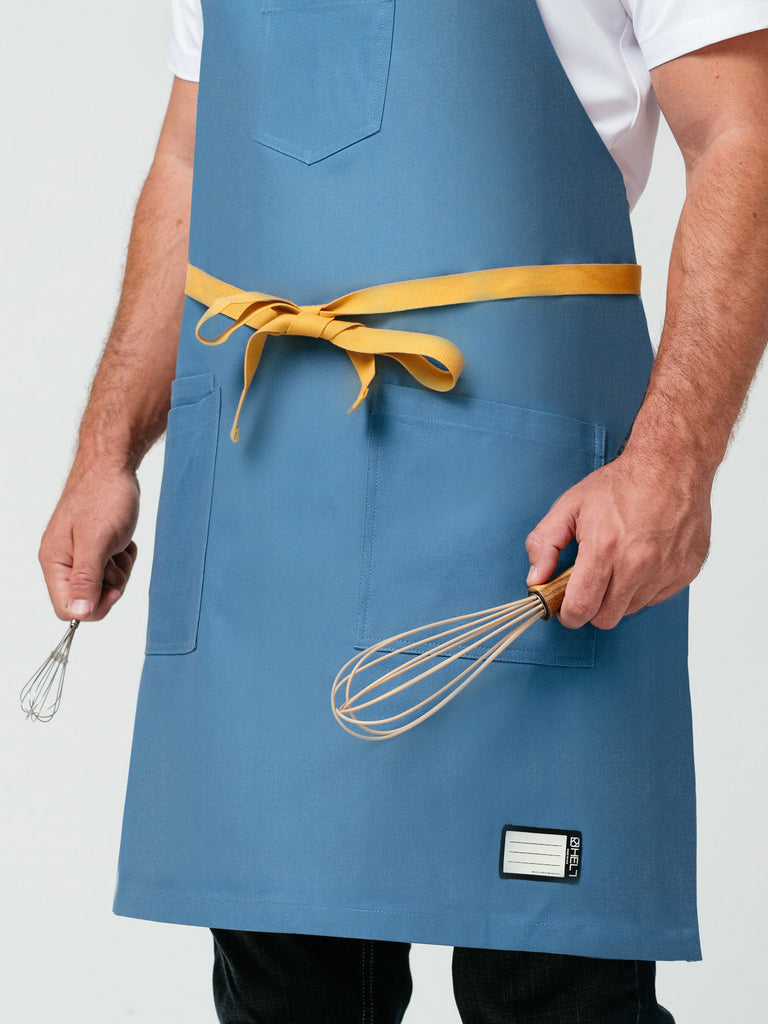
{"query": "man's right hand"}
(86, 552)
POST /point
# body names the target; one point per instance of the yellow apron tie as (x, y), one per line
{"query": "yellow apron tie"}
(417, 353)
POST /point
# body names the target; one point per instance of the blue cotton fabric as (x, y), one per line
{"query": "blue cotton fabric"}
(456, 143)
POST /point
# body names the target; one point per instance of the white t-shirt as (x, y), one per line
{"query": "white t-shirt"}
(606, 47)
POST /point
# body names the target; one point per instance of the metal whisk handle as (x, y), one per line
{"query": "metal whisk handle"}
(551, 593)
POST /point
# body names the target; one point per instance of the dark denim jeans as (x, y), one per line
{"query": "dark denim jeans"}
(262, 978)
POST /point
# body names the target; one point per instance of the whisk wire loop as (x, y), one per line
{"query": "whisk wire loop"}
(441, 648)
(455, 686)
(479, 635)
(41, 695)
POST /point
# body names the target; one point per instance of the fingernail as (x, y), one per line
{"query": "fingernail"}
(532, 573)
(80, 607)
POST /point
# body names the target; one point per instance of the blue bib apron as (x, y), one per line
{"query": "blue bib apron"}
(342, 145)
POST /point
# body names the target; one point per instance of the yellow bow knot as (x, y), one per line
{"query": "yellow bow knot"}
(266, 314)
(433, 361)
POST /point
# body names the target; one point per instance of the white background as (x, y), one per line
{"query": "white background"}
(84, 87)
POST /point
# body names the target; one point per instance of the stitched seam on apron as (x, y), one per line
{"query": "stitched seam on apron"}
(506, 920)
(519, 434)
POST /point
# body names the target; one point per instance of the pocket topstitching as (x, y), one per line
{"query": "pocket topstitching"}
(454, 486)
(321, 74)
(181, 534)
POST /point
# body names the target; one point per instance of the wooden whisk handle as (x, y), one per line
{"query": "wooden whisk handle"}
(551, 593)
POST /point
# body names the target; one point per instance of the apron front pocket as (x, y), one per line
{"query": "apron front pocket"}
(454, 486)
(181, 534)
(321, 74)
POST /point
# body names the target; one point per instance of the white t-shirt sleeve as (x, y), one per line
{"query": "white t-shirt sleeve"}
(666, 29)
(186, 39)
(606, 48)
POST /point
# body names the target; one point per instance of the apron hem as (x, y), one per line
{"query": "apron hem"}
(482, 932)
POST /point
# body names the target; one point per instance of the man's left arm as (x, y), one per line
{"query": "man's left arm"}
(643, 521)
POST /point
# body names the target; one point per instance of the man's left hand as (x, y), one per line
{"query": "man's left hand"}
(643, 521)
(643, 533)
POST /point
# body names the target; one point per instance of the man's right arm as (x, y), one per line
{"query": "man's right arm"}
(87, 550)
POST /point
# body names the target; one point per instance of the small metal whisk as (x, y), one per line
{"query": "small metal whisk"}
(353, 699)
(41, 696)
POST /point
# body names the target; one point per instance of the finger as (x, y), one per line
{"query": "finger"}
(84, 587)
(115, 577)
(109, 598)
(618, 601)
(545, 542)
(644, 597)
(90, 558)
(586, 590)
(664, 594)
(628, 593)
(637, 583)
(125, 559)
(117, 572)
(131, 551)
(55, 557)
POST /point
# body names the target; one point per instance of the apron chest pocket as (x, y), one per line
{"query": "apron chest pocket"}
(181, 534)
(321, 74)
(454, 487)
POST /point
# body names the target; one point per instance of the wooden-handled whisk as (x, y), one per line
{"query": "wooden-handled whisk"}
(374, 710)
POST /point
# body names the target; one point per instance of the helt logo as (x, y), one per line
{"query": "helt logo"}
(540, 854)
(573, 857)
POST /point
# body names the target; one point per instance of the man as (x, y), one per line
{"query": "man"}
(340, 147)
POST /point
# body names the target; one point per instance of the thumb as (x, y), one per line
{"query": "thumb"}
(85, 579)
(549, 537)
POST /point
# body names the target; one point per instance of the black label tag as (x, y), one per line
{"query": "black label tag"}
(543, 854)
